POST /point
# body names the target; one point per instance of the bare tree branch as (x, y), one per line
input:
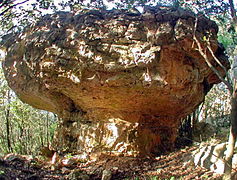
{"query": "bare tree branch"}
(12, 6)
(3, 3)
(233, 14)
(229, 86)
(220, 64)
(204, 55)
(232, 9)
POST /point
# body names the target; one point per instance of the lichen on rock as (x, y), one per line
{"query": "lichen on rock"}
(119, 81)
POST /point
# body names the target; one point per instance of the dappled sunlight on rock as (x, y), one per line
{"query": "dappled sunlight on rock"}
(120, 82)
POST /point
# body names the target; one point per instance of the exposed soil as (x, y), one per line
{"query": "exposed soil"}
(174, 165)
(18, 167)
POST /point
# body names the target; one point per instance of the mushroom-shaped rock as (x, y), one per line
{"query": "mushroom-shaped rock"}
(119, 81)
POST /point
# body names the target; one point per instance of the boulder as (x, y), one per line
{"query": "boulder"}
(119, 81)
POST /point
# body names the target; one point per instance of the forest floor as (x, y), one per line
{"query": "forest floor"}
(170, 166)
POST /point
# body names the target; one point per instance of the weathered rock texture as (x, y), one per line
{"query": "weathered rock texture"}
(120, 81)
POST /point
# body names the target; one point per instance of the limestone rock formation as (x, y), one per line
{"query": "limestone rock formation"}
(211, 155)
(119, 81)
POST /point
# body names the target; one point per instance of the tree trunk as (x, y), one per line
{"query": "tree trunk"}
(232, 137)
(47, 129)
(7, 115)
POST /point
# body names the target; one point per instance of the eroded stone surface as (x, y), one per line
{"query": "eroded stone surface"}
(119, 81)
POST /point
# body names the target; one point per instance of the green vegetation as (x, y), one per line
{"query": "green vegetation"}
(23, 129)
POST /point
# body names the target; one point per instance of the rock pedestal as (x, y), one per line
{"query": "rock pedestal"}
(119, 81)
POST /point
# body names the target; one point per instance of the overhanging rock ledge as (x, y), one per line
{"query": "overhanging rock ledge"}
(119, 81)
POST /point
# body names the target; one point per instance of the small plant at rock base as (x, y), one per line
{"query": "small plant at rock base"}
(172, 178)
(154, 178)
